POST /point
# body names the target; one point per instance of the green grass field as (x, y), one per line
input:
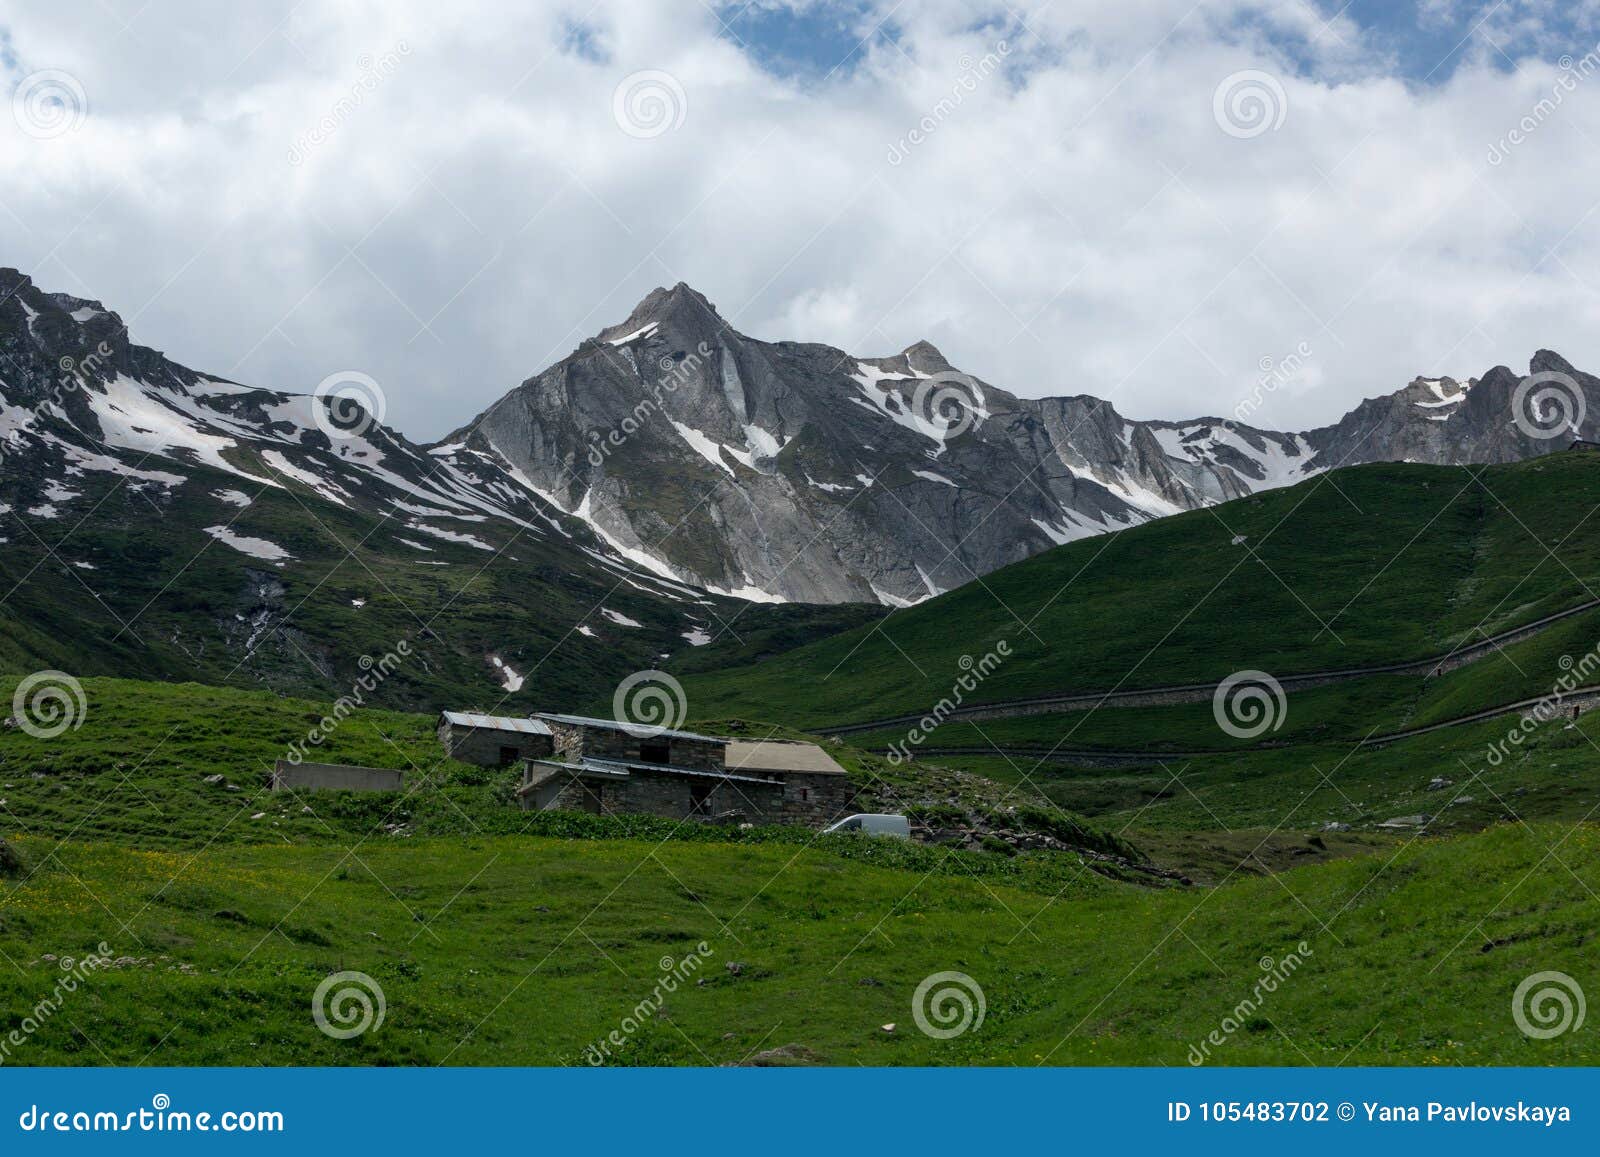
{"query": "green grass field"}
(498, 937)
(514, 950)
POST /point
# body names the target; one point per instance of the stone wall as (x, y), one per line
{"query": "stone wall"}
(809, 799)
(335, 777)
(617, 744)
(567, 740)
(815, 799)
(481, 745)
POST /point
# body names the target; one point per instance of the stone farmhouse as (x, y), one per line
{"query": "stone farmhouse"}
(603, 766)
(493, 740)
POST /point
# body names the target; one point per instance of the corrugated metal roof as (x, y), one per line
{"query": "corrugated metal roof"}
(780, 755)
(620, 769)
(495, 722)
(642, 729)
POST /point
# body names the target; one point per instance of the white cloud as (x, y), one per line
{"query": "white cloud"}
(1078, 223)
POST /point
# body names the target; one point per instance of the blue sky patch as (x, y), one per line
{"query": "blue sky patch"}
(808, 41)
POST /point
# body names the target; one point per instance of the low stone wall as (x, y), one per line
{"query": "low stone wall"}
(335, 777)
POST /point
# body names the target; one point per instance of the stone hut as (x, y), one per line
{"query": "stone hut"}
(816, 790)
(493, 740)
(603, 766)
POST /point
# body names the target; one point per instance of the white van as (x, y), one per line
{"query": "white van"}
(873, 825)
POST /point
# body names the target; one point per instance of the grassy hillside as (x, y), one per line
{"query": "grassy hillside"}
(126, 582)
(1372, 565)
(499, 937)
(506, 950)
(185, 766)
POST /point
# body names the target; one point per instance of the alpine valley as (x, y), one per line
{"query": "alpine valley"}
(616, 509)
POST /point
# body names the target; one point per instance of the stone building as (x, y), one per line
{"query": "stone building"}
(816, 790)
(602, 766)
(493, 740)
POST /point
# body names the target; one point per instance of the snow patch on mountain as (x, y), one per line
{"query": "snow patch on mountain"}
(449, 535)
(244, 544)
(509, 679)
(133, 419)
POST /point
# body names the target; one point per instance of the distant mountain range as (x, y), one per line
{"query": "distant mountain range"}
(690, 458)
(797, 471)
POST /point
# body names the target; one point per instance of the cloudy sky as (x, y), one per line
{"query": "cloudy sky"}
(1155, 202)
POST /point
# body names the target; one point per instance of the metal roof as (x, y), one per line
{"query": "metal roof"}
(620, 769)
(495, 722)
(642, 730)
(780, 755)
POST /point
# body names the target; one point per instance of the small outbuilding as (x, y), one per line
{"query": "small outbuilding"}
(493, 740)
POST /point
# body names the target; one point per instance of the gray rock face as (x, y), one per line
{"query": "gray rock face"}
(1500, 417)
(79, 399)
(670, 444)
(796, 471)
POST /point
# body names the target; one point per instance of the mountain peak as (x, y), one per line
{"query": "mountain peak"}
(682, 308)
(923, 355)
(1550, 362)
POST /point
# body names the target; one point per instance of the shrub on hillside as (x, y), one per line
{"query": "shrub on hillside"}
(11, 861)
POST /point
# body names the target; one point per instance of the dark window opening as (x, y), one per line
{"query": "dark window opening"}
(700, 797)
(509, 755)
(654, 753)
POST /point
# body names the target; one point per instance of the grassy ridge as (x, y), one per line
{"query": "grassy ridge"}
(1376, 565)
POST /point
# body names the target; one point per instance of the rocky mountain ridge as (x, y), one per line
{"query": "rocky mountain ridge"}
(685, 457)
(795, 471)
